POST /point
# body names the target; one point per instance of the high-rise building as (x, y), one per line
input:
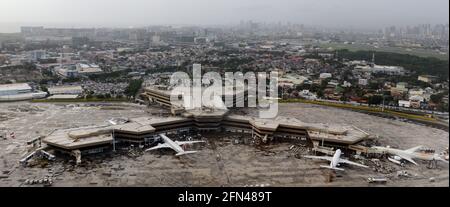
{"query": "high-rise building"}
(78, 42)
(27, 31)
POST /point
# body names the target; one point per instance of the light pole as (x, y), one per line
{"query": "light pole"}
(114, 141)
(384, 97)
(113, 137)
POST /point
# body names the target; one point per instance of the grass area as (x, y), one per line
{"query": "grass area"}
(364, 108)
(80, 100)
(356, 47)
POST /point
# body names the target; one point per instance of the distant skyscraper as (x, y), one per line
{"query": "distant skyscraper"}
(31, 30)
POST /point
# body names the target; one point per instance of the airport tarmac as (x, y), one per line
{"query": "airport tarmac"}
(392, 132)
(219, 162)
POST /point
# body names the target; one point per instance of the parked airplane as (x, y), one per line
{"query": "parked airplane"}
(411, 154)
(335, 161)
(112, 122)
(175, 145)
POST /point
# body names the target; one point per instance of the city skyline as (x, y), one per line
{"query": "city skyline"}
(137, 13)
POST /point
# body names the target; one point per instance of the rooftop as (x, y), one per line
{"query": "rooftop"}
(80, 137)
(96, 135)
(15, 86)
(62, 89)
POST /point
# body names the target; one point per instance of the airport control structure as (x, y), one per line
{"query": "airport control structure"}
(146, 129)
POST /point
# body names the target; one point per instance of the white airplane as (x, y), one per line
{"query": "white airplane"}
(175, 145)
(335, 161)
(410, 154)
(112, 122)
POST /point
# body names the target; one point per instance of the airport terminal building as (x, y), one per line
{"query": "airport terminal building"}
(145, 130)
(217, 117)
(19, 92)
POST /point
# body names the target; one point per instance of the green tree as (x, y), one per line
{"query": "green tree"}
(436, 98)
(375, 100)
(44, 88)
(133, 87)
(419, 65)
(324, 82)
(320, 93)
(89, 96)
(374, 85)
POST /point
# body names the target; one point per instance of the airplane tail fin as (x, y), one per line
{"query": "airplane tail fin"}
(185, 153)
(332, 168)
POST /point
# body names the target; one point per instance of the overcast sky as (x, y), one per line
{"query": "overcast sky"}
(124, 13)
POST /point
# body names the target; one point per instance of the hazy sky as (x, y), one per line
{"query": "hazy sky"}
(354, 13)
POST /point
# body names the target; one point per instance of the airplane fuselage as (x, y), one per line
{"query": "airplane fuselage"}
(335, 161)
(172, 144)
(413, 155)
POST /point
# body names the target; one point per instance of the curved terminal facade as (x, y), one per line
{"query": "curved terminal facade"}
(145, 130)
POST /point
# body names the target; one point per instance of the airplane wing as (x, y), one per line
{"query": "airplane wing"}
(187, 142)
(159, 146)
(441, 159)
(414, 149)
(341, 160)
(319, 157)
(406, 157)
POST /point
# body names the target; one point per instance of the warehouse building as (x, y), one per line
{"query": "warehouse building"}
(19, 92)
